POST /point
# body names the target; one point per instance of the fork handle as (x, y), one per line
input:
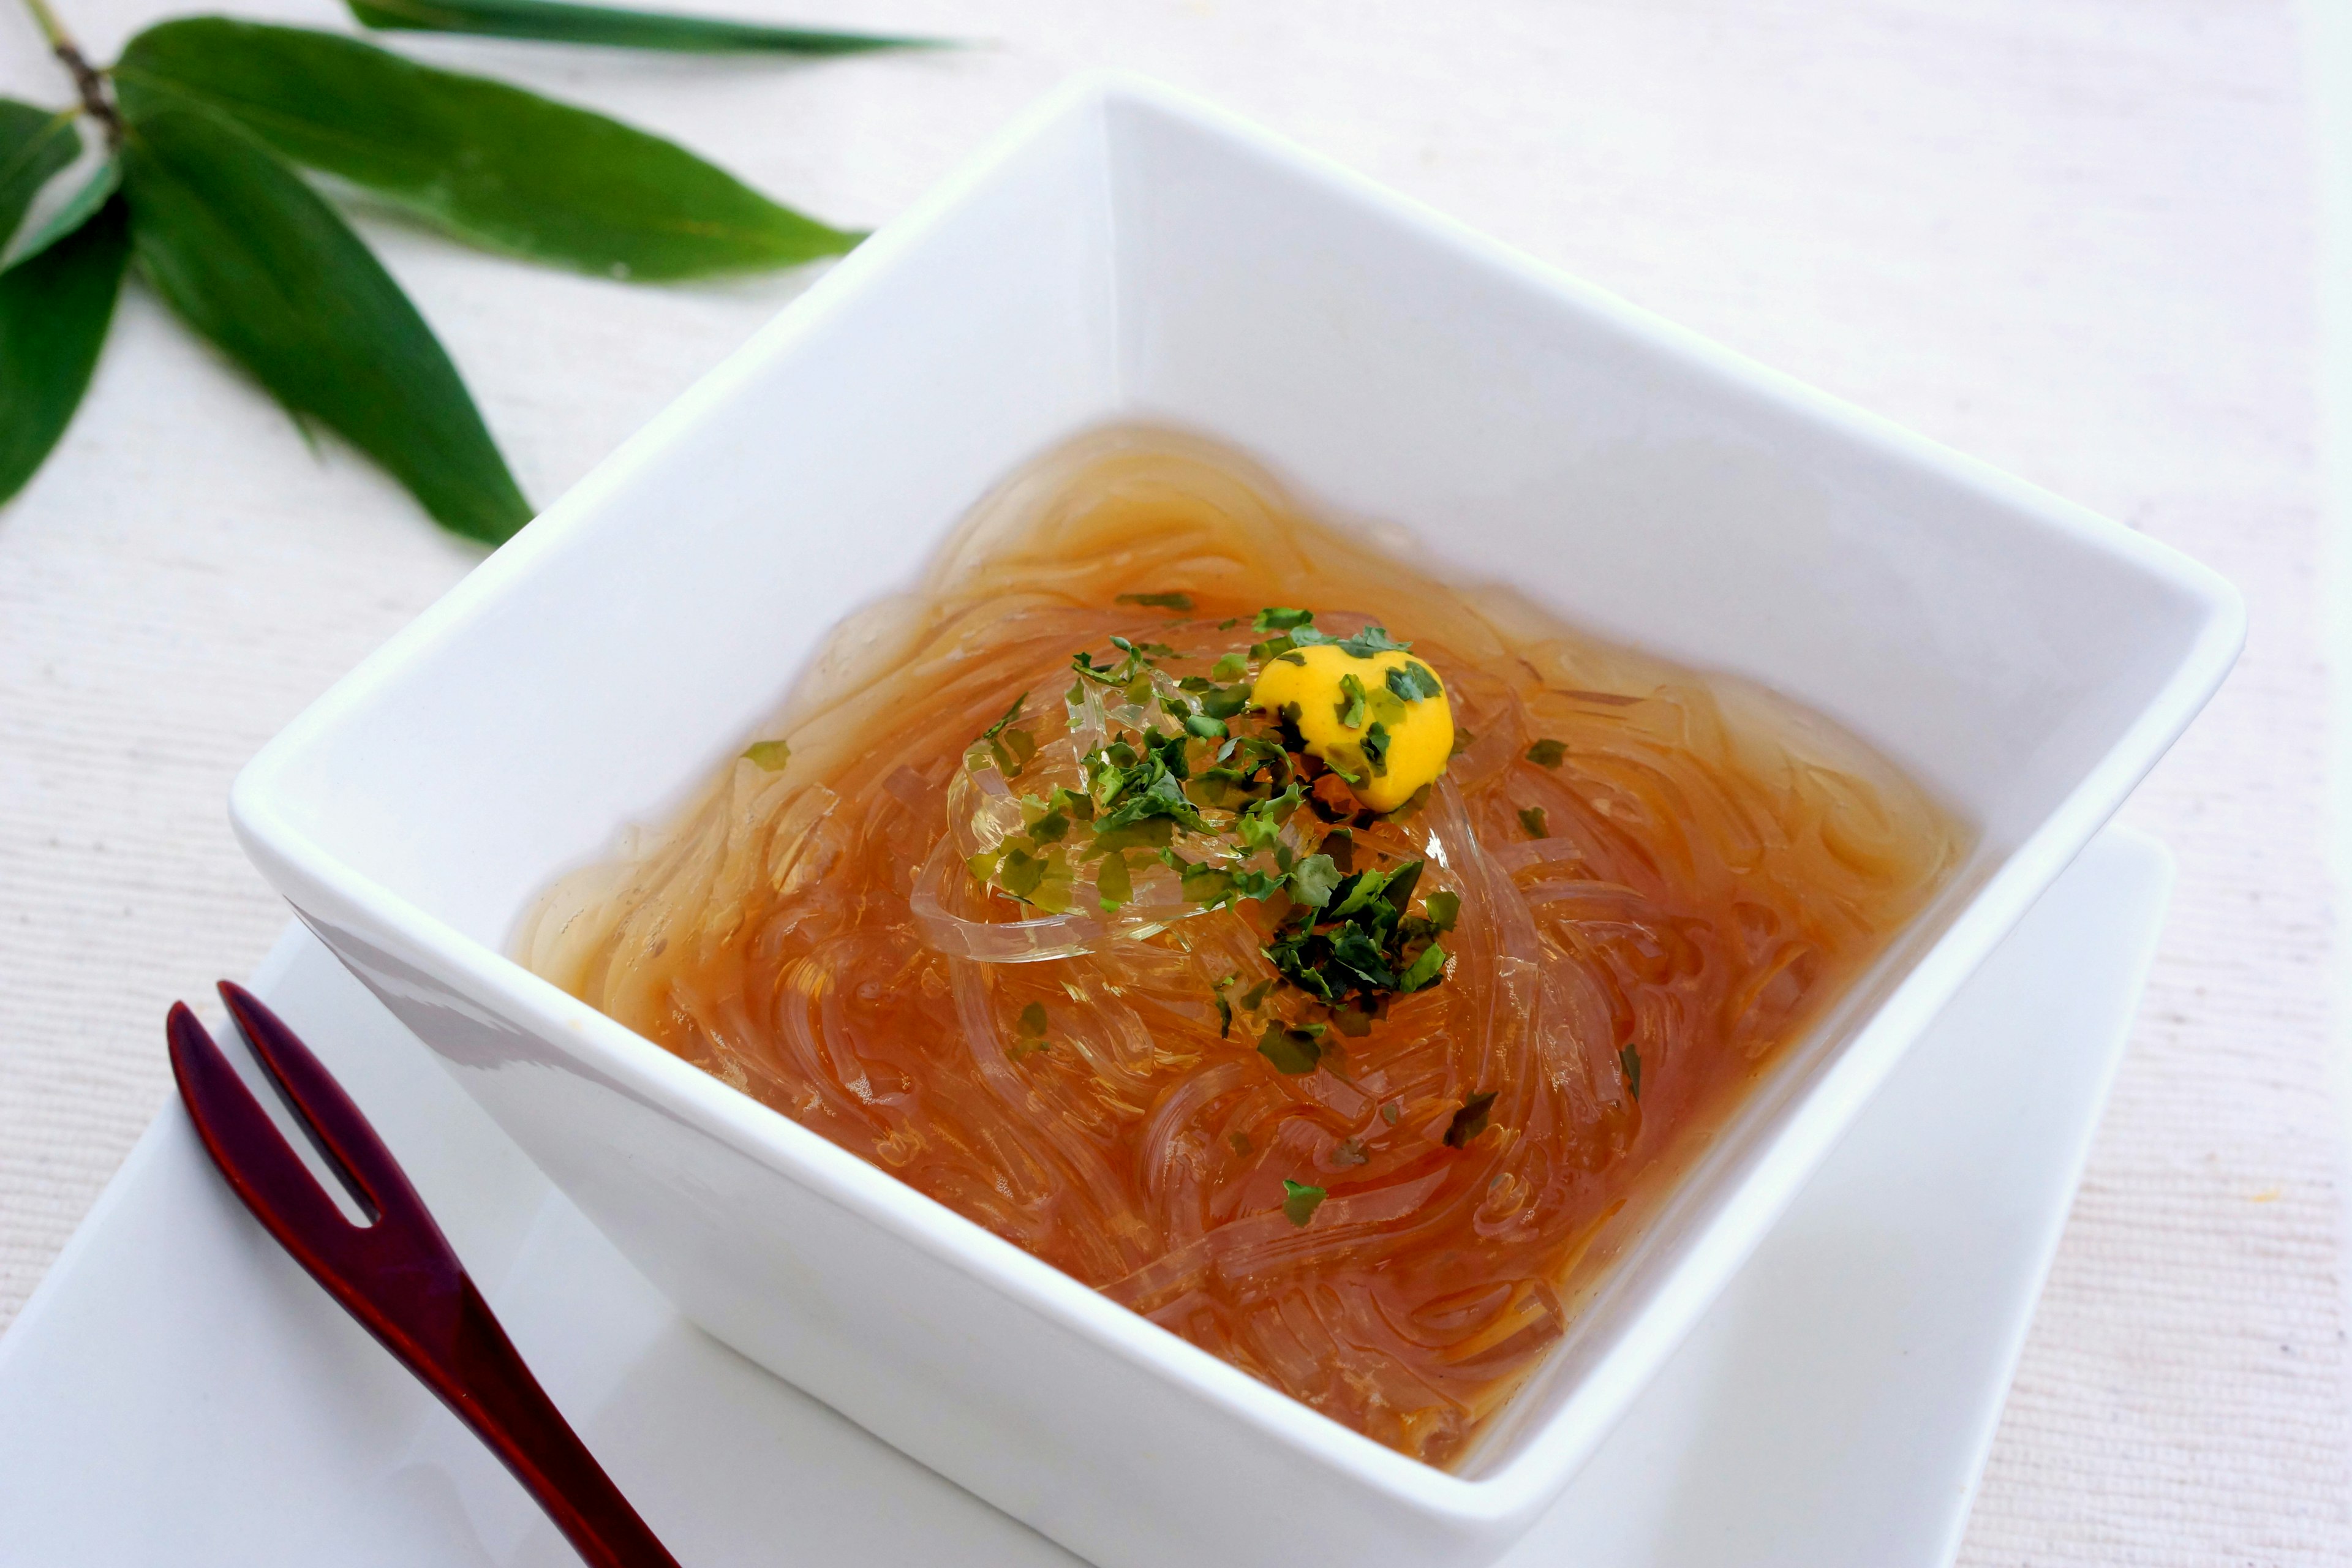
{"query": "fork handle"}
(483, 1380)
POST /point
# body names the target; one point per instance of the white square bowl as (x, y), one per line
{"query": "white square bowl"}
(1128, 254)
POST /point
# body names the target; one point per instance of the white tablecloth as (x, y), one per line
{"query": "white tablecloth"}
(2074, 237)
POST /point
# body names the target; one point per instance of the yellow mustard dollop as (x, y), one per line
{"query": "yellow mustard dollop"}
(1419, 730)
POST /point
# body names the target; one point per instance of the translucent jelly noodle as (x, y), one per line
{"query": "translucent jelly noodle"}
(1331, 963)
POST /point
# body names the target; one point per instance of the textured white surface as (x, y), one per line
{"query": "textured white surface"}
(2073, 238)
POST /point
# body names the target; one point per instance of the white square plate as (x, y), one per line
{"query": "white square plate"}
(1131, 255)
(179, 1395)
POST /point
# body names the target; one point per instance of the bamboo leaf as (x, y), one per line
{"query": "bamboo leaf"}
(556, 22)
(34, 143)
(491, 163)
(253, 259)
(54, 311)
(77, 209)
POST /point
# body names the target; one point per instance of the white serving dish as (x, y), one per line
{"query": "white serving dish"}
(1129, 254)
(179, 1393)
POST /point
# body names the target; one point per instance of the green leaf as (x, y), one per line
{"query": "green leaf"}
(558, 22)
(1177, 602)
(1299, 1201)
(1030, 1036)
(54, 311)
(1424, 970)
(1115, 885)
(1349, 708)
(491, 165)
(34, 143)
(77, 210)
(1312, 880)
(1292, 1051)
(1629, 1061)
(1413, 681)
(1548, 753)
(1534, 819)
(253, 260)
(769, 756)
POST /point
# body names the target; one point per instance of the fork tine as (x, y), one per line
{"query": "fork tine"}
(336, 1126)
(247, 1147)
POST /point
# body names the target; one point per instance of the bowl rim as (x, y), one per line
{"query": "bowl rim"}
(1547, 1452)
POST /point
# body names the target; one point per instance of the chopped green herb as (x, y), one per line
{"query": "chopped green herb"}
(1362, 645)
(1351, 1152)
(1224, 1008)
(1356, 892)
(1011, 748)
(1255, 995)
(1241, 1144)
(1126, 676)
(1114, 883)
(1372, 640)
(770, 757)
(1292, 1051)
(1259, 885)
(1019, 873)
(1031, 1035)
(1424, 970)
(1226, 626)
(1152, 833)
(1130, 787)
(1232, 667)
(1223, 702)
(1548, 753)
(1629, 1061)
(1445, 908)
(1274, 618)
(1391, 1112)
(1312, 880)
(1206, 728)
(1203, 883)
(1532, 819)
(1010, 714)
(1413, 681)
(1260, 822)
(1470, 1121)
(1351, 706)
(1463, 740)
(1376, 749)
(1177, 602)
(1299, 1202)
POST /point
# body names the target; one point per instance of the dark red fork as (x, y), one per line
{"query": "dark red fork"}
(397, 1275)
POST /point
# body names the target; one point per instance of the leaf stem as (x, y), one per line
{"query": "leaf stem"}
(88, 82)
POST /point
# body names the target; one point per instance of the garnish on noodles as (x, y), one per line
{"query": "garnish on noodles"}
(1332, 964)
